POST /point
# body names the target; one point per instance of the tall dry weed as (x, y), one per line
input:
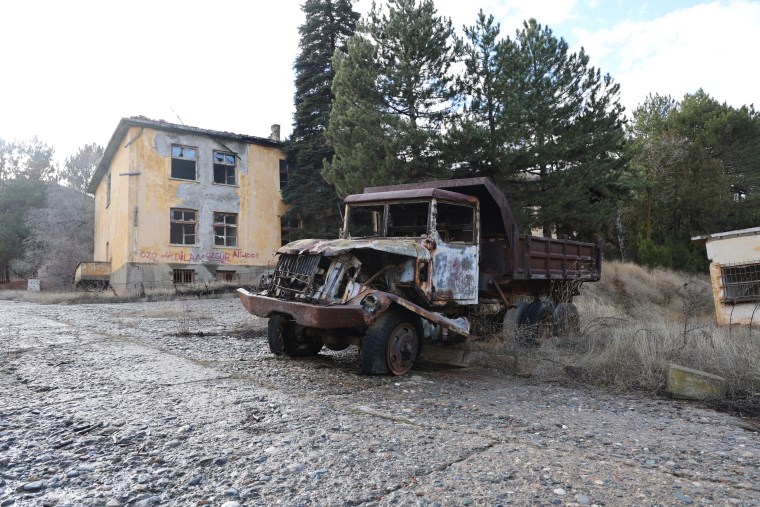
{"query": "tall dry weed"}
(636, 321)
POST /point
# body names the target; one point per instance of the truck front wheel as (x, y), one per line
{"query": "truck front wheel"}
(288, 338)
(391, 344)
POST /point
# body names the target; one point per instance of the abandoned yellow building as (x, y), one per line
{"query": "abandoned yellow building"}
(177, 204)
(734, 274)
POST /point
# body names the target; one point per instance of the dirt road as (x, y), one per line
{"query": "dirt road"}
(107, 405)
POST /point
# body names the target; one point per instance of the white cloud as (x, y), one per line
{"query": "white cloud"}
(707, 46)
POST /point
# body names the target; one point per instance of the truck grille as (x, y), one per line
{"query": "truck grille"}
(294, 276)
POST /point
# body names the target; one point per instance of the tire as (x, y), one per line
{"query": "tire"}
(566, 320)
(391, 344)
(288, 338)
(512, 318)
(538, 321)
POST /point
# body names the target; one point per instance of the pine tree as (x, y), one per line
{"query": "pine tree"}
(476, 142)
(569, 140)
(409, 51)
(696, 161)
(312, 202)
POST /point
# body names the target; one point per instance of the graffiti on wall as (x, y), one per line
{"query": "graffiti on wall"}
(211, 256)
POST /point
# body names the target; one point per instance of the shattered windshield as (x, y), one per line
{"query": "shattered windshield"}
(365, 221)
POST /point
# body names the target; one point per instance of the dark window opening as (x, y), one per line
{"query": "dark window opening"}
(225, 229)
(225, 275)
(182, 230)
(365, 221)
(184, 159)
(287, 227)
(408, 219)
(285, 169)
(224, 168)
(741, 283)
(455, 223)
(182, 276)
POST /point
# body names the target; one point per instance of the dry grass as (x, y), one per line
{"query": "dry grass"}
(636, 321)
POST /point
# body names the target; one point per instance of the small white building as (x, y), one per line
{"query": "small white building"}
(734, 274)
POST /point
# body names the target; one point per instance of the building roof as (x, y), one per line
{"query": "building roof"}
(143, 122)
(752, 231)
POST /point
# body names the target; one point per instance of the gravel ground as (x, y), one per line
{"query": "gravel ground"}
(108, 405)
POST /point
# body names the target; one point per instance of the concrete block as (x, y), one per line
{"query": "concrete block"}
(692, 384)
(446, 355)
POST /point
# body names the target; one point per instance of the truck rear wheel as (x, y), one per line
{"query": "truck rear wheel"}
(538, 320)
(288, 338)
(391, 344)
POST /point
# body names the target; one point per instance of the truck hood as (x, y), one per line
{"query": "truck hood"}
(408, 248)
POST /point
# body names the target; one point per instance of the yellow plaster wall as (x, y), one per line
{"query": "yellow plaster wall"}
(111, 221)
(256, 199)
(260, 212)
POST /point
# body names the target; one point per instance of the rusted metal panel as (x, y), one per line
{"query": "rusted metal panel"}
(357, 314)
(406, 248)
(455, 273)
(306, 314)
(93, 271)
(411, 195)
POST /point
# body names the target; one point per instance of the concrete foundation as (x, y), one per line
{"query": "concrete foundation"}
(135, 276)
(690, 384)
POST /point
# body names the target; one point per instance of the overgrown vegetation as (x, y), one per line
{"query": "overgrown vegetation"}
(636, 321)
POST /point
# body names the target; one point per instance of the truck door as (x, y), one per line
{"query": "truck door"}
(455, 257)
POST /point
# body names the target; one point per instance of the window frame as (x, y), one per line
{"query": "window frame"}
(473, 230)
(285, 169)
(173, 158)
(737, 286)
(225, 226)
(183, 272)
(228, 275)
(172, 221)
(225, 165)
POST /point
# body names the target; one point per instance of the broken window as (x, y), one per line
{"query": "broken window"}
(182, 230)
(741, 283)
(285, 169)
(455, 223)
(184, 159)
(408, 219)
(224, 168)
(365, 221)
(181, 276)
(225, 275)
(225, 229)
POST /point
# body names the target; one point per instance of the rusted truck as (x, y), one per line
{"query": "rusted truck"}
(426, 263)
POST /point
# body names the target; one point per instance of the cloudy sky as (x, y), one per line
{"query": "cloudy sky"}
(72, 69)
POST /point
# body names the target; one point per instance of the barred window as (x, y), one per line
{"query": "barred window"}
(183, 276)
(225, 229)
(182, 228)
(224, 168)
(225, 275)
(741, 282)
